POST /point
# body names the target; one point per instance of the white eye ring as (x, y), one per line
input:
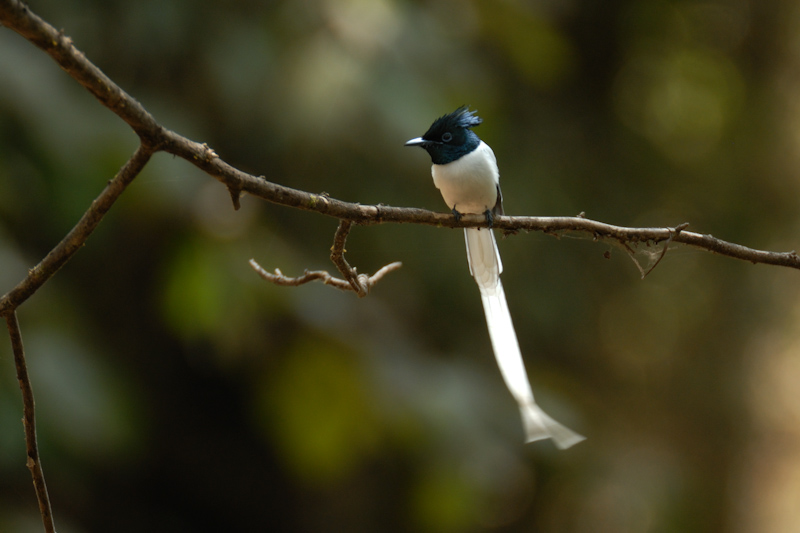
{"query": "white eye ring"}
(447, 136)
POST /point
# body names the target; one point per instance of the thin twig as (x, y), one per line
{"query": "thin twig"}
(673, 233)
(278, 278)
(29, 423)
(337, 256)
(16, 15)
(632, 254)
(75, 239)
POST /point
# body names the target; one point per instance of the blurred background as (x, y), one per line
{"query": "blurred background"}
(177, 391)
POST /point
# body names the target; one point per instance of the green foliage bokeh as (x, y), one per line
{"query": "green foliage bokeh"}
(177, 391)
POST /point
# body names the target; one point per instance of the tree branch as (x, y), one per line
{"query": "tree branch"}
(76, 238)
(15, 15)
(18, 17)
(359, 283)
(337, 256)
(29, 422)
(278, 278)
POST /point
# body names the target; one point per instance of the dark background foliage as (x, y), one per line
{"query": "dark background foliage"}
(177, 391)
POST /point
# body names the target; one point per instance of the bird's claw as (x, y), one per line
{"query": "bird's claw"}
(489, 218)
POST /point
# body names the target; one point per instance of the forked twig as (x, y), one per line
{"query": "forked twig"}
(278, 278)
(353, 281)
(337, 256)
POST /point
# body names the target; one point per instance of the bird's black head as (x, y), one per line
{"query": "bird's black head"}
(450, 136)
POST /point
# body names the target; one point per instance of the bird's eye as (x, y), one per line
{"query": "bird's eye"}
(447, 137)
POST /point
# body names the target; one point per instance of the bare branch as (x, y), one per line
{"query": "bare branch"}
(18, 17)
(601, 231)
(75, 239)
(29, 423)
(278, 277)
(15, 15)
(358, 283)
(337, 256)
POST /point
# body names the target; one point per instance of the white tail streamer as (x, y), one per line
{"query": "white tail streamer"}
(486, 267)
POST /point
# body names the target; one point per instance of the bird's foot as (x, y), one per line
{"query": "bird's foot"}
(489, 218)
(457, 215)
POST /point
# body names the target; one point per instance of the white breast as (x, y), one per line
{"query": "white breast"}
(469, 184)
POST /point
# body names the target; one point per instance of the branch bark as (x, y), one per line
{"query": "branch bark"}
(29, 423)
(278, 278)
(15, 15)
(76, 238)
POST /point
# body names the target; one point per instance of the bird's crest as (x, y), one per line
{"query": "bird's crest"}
(460, 118)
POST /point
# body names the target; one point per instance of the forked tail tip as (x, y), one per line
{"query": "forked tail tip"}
(539, 425)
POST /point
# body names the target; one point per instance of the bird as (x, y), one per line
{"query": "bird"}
(464, 169)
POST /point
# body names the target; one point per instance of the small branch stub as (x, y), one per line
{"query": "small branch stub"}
(236, 194)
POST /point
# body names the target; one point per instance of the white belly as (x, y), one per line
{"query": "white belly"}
(469, 184)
